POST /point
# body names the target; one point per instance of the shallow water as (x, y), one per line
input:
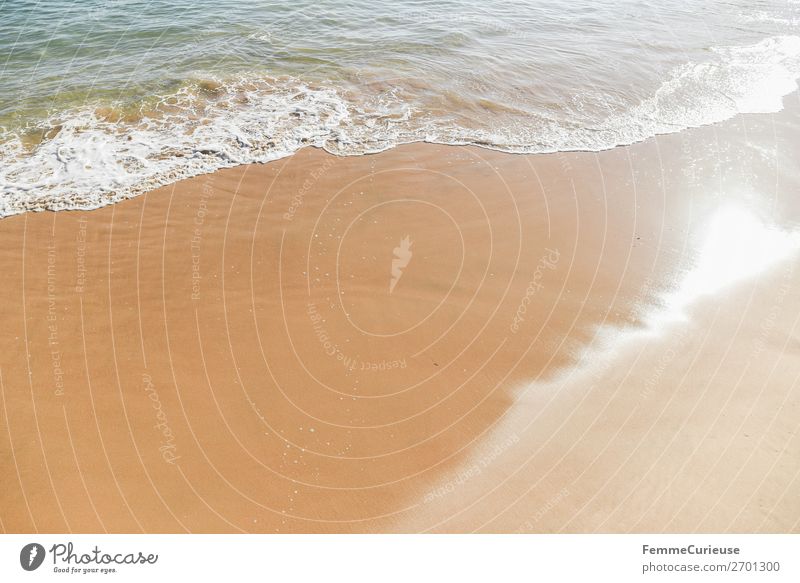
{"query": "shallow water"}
(105, 99)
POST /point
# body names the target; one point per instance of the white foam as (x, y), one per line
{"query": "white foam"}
(91, 162)
(751, 79)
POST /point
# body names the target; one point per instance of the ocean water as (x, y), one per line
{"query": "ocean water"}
(105, 99)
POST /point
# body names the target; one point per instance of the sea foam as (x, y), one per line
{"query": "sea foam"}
(90, 159)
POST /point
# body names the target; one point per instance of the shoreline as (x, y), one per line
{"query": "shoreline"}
(146, 160)
(431, 338)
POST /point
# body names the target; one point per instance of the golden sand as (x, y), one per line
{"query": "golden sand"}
(432, 338)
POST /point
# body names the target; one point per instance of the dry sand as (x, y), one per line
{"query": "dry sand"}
(573, 342)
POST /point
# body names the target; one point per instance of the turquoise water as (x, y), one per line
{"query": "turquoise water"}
(104, 99)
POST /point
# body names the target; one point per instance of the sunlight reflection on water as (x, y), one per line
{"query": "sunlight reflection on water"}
(737, 245)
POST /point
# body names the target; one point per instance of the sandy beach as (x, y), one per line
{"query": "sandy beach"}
(433, 338)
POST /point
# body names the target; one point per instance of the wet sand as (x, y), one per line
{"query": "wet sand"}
(432, 338)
